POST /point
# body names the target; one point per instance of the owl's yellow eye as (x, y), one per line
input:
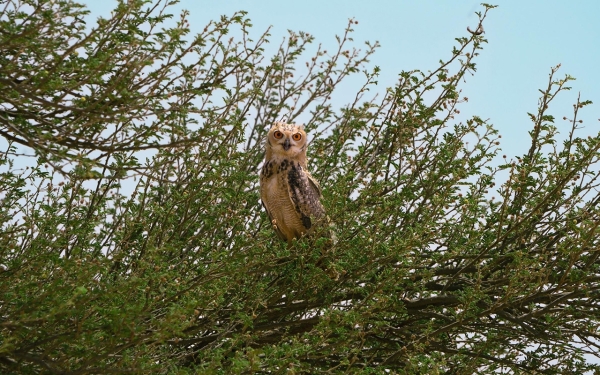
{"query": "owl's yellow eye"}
(297, 137)
(278, 135)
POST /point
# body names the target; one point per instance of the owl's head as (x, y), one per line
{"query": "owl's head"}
(287, 140)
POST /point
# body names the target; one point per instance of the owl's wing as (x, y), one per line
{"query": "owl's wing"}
(318, 210)
(305, 196)
(276, 228)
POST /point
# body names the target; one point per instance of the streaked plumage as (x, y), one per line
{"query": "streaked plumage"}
(290, 195)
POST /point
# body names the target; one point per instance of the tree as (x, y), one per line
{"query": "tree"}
(436, 268)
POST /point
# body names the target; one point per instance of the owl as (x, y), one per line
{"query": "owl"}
(289, 194)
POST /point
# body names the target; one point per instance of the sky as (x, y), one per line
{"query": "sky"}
(525, 39)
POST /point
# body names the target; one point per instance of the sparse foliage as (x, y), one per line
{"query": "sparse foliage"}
(439, 266)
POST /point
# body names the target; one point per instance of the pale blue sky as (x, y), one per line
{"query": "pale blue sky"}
(526, 38)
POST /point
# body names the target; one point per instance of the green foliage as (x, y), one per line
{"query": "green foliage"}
(436, 270)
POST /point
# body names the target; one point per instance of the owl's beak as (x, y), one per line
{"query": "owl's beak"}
(286, 144)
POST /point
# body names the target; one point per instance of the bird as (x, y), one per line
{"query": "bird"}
(289, 193)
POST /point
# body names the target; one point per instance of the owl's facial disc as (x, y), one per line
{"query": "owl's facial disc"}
(286, 144)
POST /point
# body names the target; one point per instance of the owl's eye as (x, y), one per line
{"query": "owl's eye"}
(278, 135)
(297, 137)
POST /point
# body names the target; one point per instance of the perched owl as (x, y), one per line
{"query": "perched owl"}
(288, 192)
